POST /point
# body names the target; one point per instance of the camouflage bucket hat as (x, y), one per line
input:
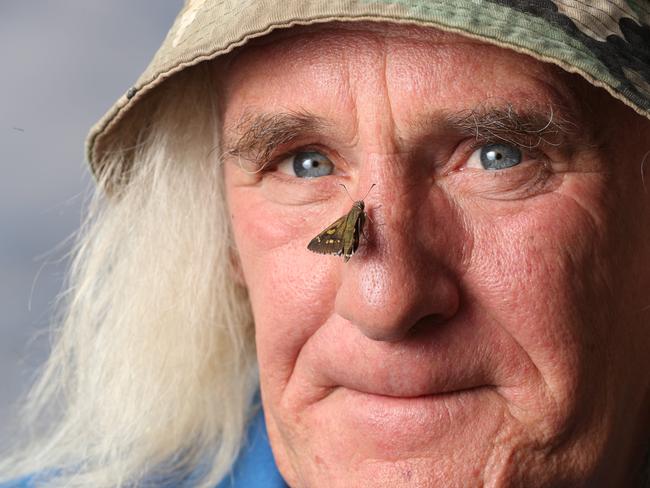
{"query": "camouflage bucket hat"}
(605, 41)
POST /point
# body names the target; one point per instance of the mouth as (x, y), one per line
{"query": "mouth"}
(410, 394)
(422, 418)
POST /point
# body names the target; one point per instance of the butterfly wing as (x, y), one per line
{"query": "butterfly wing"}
(341, 237)
(330, 241)
(355, 220)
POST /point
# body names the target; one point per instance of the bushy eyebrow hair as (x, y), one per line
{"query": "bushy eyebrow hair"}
(528, 128)
(255, 137)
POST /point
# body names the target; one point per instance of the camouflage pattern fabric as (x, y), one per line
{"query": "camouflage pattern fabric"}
(617, 32)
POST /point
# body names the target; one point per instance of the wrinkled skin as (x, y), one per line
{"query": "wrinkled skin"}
(492, 329)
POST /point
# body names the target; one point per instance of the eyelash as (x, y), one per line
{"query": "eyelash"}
(273, 162)
(528, 154)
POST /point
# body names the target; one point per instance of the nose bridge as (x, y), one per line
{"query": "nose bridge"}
(398, 203)
(400, 276)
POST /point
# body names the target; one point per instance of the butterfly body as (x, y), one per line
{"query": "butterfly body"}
(342, 236)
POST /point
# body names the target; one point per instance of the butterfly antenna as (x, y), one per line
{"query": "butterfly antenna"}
(346, 191)
(368, 192)
(350, 196)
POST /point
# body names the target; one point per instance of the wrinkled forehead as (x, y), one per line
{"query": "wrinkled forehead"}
(420, 60)
(335, 39)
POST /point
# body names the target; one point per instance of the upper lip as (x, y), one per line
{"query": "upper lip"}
(435, 365)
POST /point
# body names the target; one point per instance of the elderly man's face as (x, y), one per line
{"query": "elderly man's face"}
(491, 329)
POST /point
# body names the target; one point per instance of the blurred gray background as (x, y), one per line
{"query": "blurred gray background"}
(62, 64)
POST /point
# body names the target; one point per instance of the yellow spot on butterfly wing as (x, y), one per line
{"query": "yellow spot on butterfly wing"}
(330, 240)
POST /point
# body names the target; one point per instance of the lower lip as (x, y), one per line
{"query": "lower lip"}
(400, 419)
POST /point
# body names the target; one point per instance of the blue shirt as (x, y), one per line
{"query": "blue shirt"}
(254, 468)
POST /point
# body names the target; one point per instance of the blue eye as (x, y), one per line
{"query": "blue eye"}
(307, 164)
(495, 156)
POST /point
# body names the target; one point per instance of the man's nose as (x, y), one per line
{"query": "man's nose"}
(405, 275)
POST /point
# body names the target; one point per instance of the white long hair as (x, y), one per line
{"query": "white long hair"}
(152, 369)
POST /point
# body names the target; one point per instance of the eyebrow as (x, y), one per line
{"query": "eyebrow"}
(256, 137)
(528, 128)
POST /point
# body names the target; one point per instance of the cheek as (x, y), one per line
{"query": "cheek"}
(291, 291)
(540, 275)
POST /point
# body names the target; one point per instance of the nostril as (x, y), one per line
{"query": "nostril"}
(386, 332)
(390, 335)
(426, 323)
